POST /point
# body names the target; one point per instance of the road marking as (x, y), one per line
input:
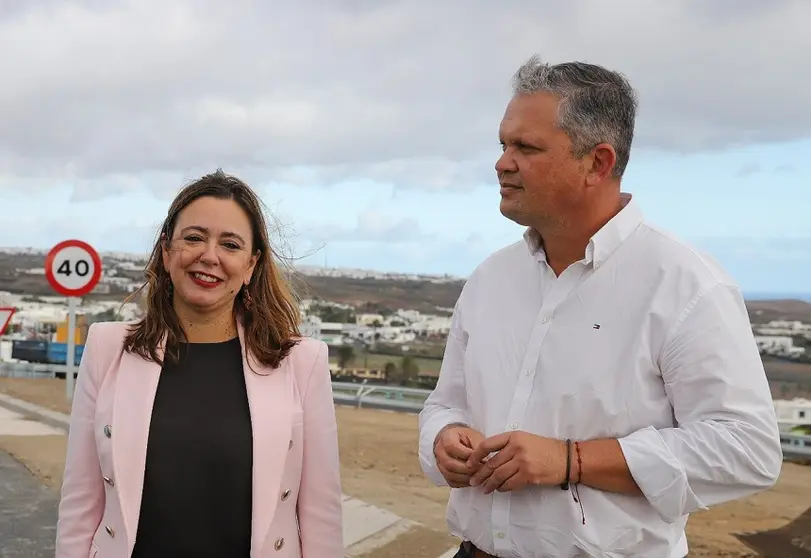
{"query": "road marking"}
(15, 424)
(362, 520)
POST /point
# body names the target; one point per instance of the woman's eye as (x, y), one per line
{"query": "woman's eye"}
(232, 246)
(193, 238)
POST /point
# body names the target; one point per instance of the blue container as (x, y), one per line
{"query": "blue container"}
(30, 351)
(58, 353)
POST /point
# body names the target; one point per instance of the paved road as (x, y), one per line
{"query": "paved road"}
(27, 513)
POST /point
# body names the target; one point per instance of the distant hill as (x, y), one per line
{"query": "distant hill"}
(787, 379)
(369, 293)
(425, 296)
(764, 311)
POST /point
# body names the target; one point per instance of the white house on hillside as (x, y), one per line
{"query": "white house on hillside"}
(778, 345)
(797, 411)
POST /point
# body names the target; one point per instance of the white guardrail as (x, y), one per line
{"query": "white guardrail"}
(374, 396)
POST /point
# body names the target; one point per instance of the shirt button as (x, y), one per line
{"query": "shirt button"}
(527, 372)
(514, 425)
(544, 319)
(500, 535)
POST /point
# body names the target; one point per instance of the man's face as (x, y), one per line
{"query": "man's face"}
(541, 182)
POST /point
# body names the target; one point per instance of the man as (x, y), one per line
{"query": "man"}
(601, 380)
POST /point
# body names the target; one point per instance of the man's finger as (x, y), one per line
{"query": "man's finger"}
(458, 451)
(495, 461)
(455, 480)
(455, 466)
(488, 446)
(468, 441)
(513, 483)
(486, 469)
(500, 476)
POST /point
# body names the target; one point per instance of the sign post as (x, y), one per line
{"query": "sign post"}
(5, 318)
(73, 269)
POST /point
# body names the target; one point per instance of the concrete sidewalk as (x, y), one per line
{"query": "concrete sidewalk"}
(30, 517)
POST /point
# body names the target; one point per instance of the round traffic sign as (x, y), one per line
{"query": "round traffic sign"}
(73, 268)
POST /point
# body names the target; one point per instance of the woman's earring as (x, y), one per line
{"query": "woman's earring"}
(247, 299)
(169, 286)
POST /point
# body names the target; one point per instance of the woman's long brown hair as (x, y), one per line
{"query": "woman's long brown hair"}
(271, 322)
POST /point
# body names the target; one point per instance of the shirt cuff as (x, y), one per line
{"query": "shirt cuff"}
(659, 475)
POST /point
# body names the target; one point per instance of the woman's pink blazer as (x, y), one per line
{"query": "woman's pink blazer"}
(296, 475)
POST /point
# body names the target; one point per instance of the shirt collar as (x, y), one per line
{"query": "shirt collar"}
(605, 241)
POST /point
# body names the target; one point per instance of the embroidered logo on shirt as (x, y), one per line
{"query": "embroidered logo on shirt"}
(596, 326)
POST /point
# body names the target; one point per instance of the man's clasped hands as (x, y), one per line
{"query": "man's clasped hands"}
(503, 462)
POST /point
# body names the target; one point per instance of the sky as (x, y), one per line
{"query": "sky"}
(370, 127)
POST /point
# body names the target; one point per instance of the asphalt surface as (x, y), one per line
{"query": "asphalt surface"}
(27, 513)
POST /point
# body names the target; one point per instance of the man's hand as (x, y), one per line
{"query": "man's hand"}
(452, 448)
(521, 459)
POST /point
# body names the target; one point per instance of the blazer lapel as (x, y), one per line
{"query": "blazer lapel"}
(135, 391)
(270, 393)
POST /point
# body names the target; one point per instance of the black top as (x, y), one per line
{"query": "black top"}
(198, 481)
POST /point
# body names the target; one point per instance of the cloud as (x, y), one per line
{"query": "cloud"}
(785, 168)
(371, 227)
(111, 97)
(751, 169)
(748, 169)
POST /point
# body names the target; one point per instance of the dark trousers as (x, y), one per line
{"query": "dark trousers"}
(465, 551)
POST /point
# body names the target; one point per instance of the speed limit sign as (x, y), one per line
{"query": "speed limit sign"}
(73, 268)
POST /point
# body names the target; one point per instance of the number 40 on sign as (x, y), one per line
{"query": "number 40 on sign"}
(73, 268)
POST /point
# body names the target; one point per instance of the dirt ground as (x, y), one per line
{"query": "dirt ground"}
(380, 465)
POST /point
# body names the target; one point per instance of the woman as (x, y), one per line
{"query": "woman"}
(206, 429)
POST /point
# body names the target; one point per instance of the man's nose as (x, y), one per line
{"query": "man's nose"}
(505, 163)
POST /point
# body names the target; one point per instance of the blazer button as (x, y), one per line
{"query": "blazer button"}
(110, 530)
(285, 494)
(279, 543)
(109, 481)
(108, 430)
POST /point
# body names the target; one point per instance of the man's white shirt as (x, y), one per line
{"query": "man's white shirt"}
(644, 340)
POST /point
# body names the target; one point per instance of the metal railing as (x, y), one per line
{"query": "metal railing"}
(31, 370)
(796, 446)
(374, 396)
(369, 396)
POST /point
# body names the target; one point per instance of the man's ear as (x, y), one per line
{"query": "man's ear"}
(602, 160)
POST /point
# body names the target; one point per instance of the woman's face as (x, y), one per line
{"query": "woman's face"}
(210, 255)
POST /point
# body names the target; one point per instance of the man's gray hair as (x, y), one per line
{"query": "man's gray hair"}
(597, 105)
